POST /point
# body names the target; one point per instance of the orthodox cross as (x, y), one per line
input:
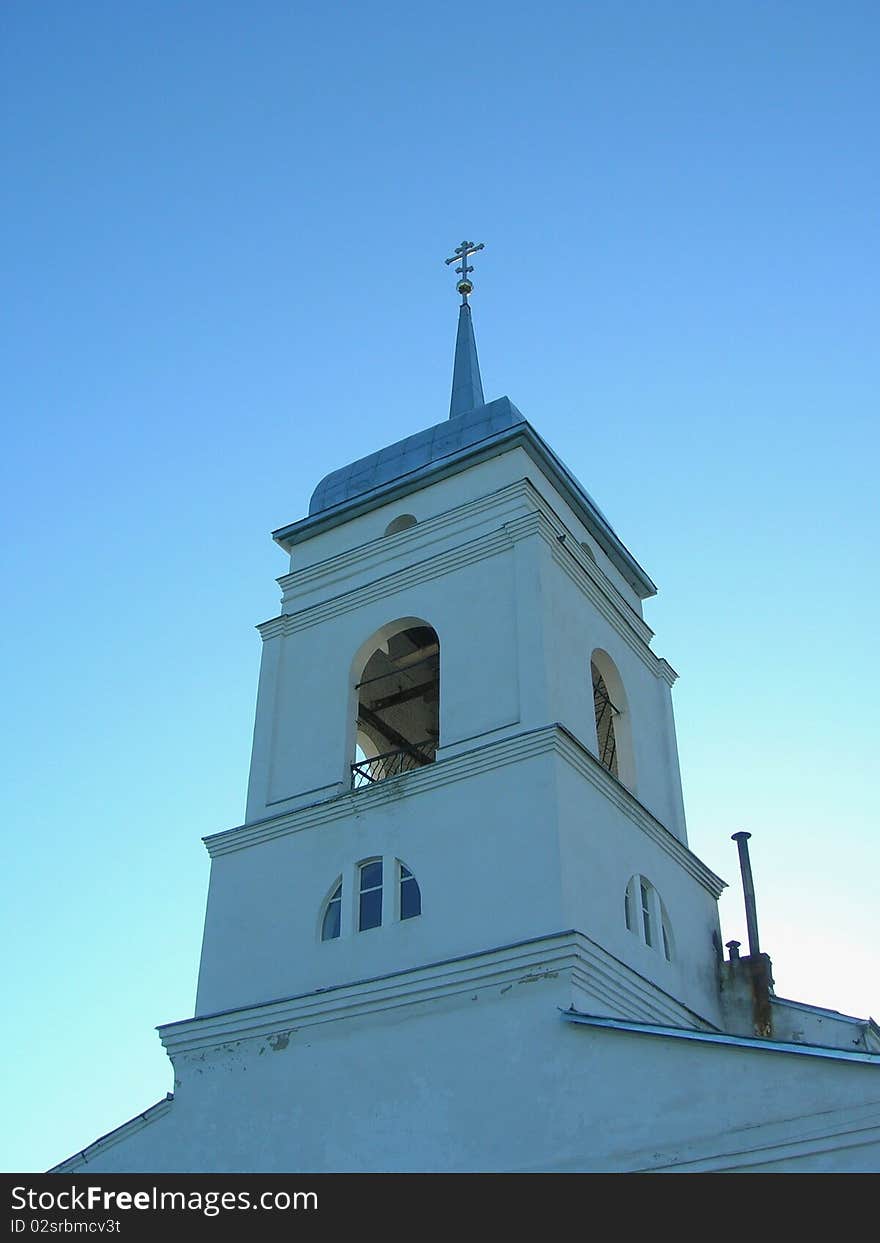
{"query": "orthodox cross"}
(462, 254)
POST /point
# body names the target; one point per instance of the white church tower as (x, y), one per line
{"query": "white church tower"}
(461, 928)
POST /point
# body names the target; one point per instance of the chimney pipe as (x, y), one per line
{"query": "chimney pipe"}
(745, 866)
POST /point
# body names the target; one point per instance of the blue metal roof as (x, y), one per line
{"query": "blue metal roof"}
(413, 453)
(442, 450)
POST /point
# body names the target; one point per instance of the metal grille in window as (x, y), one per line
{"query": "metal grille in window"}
(605, 714)
(392, 763)
(398, 713)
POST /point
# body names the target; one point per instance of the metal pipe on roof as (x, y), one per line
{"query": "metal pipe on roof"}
(745, 867)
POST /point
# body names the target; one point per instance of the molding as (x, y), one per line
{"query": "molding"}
(509, 750)
(835, 1138)
(567, 550)
(526, 961)
(520, 434)
(376, 552)
(754, 1043)
(426, 531)
(540, 519)
(567, 954)
(614, 983)
(757, 1144)
(388, 585)
(587, 765)
(80, 1160)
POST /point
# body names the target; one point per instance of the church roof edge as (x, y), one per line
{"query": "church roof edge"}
(445, 449)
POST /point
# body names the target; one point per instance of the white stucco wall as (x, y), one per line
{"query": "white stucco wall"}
(439, 1043)
(517, 606)
(496, 1079)
(447, 494)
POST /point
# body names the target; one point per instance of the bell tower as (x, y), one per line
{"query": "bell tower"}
(461, 928)
(463, 738)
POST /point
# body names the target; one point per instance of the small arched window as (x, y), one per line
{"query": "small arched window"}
(410, 894)
(646, 916)
(374, 906)
(401, 523)
(331, 925)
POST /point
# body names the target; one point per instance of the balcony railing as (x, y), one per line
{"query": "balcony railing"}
(392, 764)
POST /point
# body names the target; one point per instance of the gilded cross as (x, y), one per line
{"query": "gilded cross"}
(462, 254)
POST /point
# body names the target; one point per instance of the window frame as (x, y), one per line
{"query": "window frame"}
(347, 893)
(365, 891)
(646, 917)
(406, 877)
(335, 898)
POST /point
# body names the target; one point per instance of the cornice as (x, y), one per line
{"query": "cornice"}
(567, 954)
(632, 996)
(539, 518)
(580, 758)
(855, 1127)
(524, 962)
(521, 434)
(388, 585)
(511, 749)
(379, 550)
(508, 750)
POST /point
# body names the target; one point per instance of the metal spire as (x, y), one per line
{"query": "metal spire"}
(467, 387)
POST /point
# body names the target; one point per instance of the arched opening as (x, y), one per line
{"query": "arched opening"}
(398, 704)
(613, 734)
(402, 523)
(605, 712)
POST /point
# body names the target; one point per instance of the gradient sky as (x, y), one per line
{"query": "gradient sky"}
(225, 233)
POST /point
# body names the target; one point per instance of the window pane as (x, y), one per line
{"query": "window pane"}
(332, 920)
(371, 876)
(404, 872)
(666, 945)
(646, 916)
(410, 897)
(371, 909)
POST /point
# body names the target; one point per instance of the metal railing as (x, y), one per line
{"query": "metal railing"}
(392, 764)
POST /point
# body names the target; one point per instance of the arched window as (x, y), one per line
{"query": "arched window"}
(402, 523)
(646, 916)
(410, 894)
(374, 906)
(331, 924)
(398, 702)
(605, 712)
(613, 735)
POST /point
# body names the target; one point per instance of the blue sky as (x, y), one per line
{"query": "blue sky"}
(225, 233)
